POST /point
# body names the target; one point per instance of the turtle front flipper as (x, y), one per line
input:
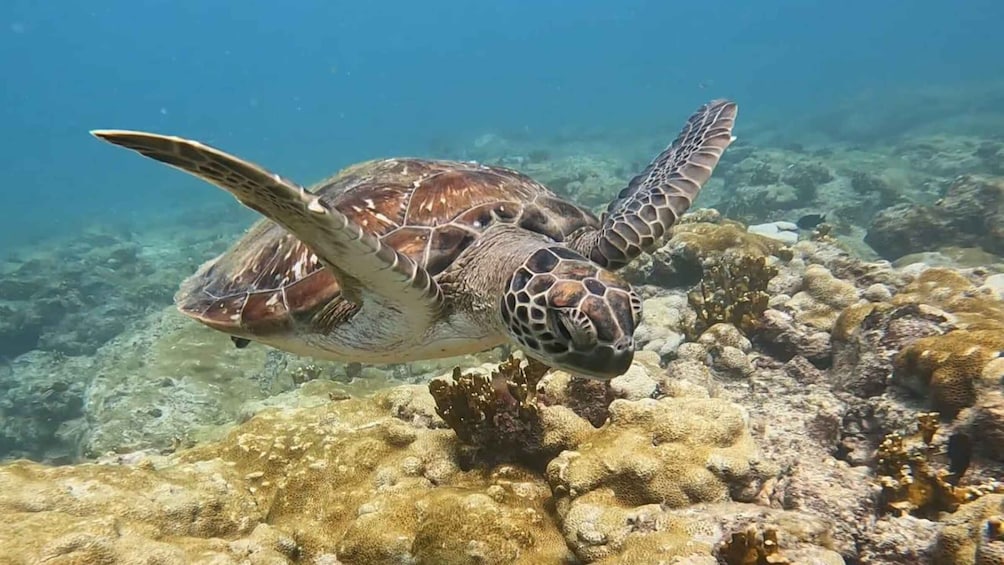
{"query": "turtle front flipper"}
(641, 215)
(366, 268)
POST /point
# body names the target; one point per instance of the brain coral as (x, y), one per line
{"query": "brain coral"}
(973, 535)
(953, 367)
(950, 367)
(671, 452)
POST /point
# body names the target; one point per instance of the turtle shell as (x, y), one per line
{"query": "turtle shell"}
(428, 210)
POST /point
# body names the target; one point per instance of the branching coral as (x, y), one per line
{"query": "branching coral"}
(911, 481)
(733, 292)
(752, 547)
(494, 415)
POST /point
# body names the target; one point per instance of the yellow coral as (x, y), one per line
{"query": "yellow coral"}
(971, 536)
(344, 477)
(822, 298)
(910, 480)
(753, 547)
(668, 452)
(702, 239)
(949, 367)
(673, 451)
(954, 293)
(850, 319)
(823, 287)
(732, 291)
(603, 530)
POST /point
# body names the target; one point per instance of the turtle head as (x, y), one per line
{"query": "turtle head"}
(570, 314)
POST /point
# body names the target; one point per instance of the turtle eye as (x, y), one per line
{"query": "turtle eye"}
(636, 308)
(574, 328)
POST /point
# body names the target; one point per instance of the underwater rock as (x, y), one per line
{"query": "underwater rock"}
(780, 335)
(873, 185)
(806, 177)
(755, 172)
(797, 424)
(955, 258)
(666, 318)
(900, 540)
(757, 202)
(589, 180)
(866, 340)
(986, 424)
(947, 156)
(971, 213)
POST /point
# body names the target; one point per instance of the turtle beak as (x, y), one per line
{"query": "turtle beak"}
(604, 362)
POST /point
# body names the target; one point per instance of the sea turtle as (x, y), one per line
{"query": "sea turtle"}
(398, 260)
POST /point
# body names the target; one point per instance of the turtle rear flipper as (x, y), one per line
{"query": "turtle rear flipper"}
(366, 268)
(641, 215)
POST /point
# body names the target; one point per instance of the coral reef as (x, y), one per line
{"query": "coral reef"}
(589, 180)
(287, 486)
(165, 382)
(806, 177)
(970, 214)
(41, 403)
(778, 410)
(72, 296)
(376, 480)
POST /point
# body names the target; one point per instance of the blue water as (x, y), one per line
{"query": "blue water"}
(308, 86)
